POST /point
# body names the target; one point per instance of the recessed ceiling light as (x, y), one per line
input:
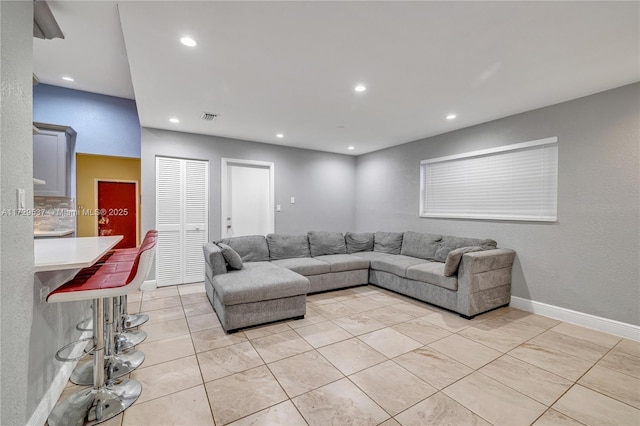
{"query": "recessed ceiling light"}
(451, 116)
(174, 120)
(280, 135)
(351, 148)
(67, 78)
(188, 41)
(360, 88)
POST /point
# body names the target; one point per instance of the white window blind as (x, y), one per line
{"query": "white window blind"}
(513, 182)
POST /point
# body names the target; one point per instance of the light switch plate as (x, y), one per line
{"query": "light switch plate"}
(293, 200)
(278, 208)
(21, 198)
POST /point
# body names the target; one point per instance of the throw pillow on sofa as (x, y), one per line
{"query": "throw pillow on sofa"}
(357, 243)
(449, 243)
(322, 243)
(230, 256)
(454, 257)
(388, 242)
(287, 246)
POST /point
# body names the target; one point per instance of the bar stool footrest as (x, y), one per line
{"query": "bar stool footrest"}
(88, 350)
(85, 325)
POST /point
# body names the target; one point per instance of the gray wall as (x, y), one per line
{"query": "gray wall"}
(323, 183)
(16, 232)
(588, 260)
(30, 331)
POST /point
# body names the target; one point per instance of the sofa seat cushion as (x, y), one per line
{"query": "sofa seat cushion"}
(371, 255)
(257, 282)
(396, 265)
(304, 265)
(344, 262)
(432, 273)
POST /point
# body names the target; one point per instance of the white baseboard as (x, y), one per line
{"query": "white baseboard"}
(59, 382)
(628, 331)
(149, 285)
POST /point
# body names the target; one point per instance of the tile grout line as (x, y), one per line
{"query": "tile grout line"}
(352, 336)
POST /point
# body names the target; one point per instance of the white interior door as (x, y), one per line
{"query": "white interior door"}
(247, 198)
(182, 215)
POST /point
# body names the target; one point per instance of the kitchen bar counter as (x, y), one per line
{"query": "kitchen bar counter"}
(70, 253)
(59, 233)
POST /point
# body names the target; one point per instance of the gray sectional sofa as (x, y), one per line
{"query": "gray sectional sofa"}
(254, 280)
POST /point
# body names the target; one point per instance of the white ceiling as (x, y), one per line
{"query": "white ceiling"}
(290, 67)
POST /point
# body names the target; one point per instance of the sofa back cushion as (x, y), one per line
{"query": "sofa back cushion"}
(322, 243)
(422, 246)
(388, 242)
(251, 248)
(287, 246)
(357, 243)
(449, 243)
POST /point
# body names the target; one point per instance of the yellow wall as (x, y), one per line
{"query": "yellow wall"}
(92, 167)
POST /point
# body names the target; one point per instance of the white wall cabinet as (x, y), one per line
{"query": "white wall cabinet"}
(182, 217)
(53, 152)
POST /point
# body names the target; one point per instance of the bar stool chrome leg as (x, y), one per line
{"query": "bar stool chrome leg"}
(125, 339)
(131, 320)
(106, 399)
(115, 364)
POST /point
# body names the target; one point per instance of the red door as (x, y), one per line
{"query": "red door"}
(117, 211)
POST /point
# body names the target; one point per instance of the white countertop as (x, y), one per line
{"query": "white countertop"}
(58, 233)
(70, 253)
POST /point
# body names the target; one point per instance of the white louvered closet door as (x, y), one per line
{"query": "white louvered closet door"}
(182, 198)
(196, 208)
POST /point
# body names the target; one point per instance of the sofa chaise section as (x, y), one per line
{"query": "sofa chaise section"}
(259, 293)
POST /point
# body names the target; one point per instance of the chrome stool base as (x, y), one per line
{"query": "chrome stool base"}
(128, 339)
(116, 366)
(92, 406)
(134, 320)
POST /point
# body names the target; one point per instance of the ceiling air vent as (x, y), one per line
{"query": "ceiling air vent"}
(208, 116)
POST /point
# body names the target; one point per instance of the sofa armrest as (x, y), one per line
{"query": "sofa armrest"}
(486, 260)
(213, 260)
(484, 280)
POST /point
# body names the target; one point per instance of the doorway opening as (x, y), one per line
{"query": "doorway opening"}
(248, 198)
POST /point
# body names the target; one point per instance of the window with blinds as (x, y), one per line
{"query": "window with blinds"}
(513, 182)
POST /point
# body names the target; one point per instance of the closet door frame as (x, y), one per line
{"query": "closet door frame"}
(175, 260)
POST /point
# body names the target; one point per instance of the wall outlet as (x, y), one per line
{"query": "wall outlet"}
(44, 291)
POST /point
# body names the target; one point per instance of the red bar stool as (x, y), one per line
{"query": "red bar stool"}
(129, 321)
(108, 396)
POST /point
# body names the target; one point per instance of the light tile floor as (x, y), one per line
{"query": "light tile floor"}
(369, 356)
